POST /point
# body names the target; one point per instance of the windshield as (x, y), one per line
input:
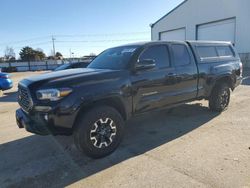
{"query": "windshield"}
(114, 58)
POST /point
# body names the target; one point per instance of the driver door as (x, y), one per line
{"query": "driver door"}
(154, 88)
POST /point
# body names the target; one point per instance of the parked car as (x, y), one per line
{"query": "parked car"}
(72, 66)
(93, 103)
(5, 82)
(9, 69)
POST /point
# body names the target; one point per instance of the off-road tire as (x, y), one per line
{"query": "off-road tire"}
(86, 124)
(220, 97)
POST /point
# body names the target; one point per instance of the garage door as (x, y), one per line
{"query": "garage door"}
(219, 31)
(178, 34)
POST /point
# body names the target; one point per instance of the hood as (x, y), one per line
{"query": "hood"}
(65, 74)
(72, 77)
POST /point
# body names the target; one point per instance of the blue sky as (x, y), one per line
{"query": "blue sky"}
(84, 26)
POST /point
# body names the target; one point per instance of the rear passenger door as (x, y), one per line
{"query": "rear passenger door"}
(186, 72)
(154, 88)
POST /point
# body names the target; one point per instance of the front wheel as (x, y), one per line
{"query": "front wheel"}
(99, 132)
(220, 98)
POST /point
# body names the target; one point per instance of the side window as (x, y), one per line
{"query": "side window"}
(181, 55)
(207, 52)
(84, 64)
(159, 54)
(224, 51)
(76, 65)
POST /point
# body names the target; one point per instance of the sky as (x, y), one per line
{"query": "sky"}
(78, 26)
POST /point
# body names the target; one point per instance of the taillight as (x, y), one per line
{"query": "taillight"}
(241, 69)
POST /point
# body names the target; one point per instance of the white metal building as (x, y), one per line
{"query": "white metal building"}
(222, 20)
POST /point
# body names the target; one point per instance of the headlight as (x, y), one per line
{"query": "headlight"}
(53, 94)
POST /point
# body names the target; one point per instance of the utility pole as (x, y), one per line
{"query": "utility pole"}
(53, 42)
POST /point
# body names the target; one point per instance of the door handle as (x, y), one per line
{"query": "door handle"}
(171, 79)
(172, 75)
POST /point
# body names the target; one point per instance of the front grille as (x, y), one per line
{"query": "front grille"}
(23, 98)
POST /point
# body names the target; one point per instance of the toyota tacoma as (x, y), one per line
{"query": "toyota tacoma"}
(93, 103)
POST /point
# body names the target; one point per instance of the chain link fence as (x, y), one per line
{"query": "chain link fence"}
(31, 65)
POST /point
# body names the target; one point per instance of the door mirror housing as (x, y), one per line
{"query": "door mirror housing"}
(145, 64)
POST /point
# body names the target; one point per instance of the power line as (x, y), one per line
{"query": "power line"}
(86, 41)
(34, 44)
(98, 42)
(103, 35)
(90, 41)
(76, 41)
(23, 41)
(76, 35)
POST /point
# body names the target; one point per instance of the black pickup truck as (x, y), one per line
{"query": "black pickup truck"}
(93, 103)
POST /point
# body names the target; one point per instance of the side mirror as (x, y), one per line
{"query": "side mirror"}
(145, 64)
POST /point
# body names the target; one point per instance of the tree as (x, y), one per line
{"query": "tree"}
(9, 54)
(2, 59)
(29, 54)
(39, 55)
(51, 57)
(59, 55)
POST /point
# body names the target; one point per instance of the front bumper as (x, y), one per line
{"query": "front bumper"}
(54, 124)
(238, 81)
(37, 126)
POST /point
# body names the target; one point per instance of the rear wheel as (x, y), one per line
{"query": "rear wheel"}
(99, 132)
(220, 97)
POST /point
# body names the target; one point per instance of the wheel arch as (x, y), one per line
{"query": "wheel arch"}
(115, 101)
(228, 79)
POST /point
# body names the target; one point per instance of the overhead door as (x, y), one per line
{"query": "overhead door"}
(219, 31)
(178, 34)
